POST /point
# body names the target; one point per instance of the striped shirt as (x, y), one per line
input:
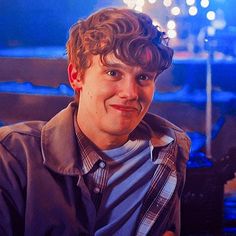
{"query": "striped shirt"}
(154, 218)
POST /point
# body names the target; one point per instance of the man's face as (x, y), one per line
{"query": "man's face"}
(113, 99)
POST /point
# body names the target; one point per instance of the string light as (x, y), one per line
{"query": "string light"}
(216, 20)
(167, 3)
(211, 15)
(130, 3)
(190, 2)
(140, 3)
(172, 34)
(138, 8)
(192, 11)
(171, 24)
(152, 1)
(175, 11)
(135, 4)
(204, 3)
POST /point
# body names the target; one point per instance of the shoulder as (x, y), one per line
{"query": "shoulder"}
(14, 138)
(18, 143)
(29, 128)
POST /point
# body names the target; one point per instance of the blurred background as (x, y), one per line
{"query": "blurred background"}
(198, 92)
(27, 24)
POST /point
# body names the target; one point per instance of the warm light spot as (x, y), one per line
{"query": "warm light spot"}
(171, 34)
(167, 3)
(130, 3)
(190, 2)
(171, 24)
(155, 23)
(205, 3)
(140, 3)
(211, 15)
(192, 11)
(175, 11)
(138, 8)
(152, 1)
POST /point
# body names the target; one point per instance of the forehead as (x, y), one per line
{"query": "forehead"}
(107, 61)
(111, 60)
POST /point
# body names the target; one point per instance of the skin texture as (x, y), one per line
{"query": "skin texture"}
(113, 99)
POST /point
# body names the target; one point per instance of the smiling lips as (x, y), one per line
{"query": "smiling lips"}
(125, 108)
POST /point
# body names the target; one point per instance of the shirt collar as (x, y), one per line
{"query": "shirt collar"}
(156, 133)
(161, 134)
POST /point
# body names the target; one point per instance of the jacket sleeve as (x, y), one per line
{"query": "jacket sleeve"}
(184, 144)
(12, 194)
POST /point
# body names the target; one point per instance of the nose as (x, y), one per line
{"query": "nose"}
(129, 89)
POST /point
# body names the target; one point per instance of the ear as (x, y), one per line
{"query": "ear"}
(74, 77)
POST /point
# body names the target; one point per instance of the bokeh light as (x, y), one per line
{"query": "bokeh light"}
(171, 24)
(138, 8)
(175, 11)
(204, 3)
(140, 3)
(172, 34)
(152, 1)
(192, 11)
(167, 3)
(211, 15)
(211, 30)
(190, 2)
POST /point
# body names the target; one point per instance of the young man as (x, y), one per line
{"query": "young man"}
(103, 166)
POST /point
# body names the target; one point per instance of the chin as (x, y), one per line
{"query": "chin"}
(121, 131)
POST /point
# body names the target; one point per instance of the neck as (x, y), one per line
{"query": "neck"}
(109, 143)
(102, 140)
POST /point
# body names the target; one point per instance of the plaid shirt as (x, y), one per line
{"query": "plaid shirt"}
(154, 210)
(96, 181)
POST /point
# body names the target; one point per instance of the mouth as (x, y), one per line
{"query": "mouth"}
(125, 108)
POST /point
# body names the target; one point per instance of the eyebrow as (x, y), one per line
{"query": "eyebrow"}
(114, 64)
(122, 66)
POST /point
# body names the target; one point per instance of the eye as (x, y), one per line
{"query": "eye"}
(113, 73)
(144, 77)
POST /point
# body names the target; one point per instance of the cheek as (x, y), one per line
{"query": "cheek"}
(95, 99)
(152, 91)
(89, 95)
(147, 95)
(107, 91)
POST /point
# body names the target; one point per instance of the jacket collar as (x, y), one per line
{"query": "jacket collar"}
(59, 143)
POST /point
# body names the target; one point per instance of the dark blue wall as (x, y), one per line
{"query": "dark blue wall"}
(41, 22)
